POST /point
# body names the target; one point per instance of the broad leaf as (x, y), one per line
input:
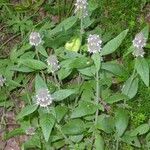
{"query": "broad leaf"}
(142, 68)
(121, 121)
(130, 87)
(140, 130)
(26, 111)
(63, 94)
(84, 108)
(33, 64)
(39, 83)
(47, 122)
(74, 127)
(112, 45)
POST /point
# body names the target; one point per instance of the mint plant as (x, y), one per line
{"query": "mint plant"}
(75, 95)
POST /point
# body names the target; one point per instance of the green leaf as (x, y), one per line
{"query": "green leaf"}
(33, 64)
(74, 127)
(39, 83)
(142, 68)
(84, 108)
(130, 87)
(63, 73)
(112, 45)
(61, 111)
(13, 133)
(64, 25)
(99, 142)
(114, 68)
(140, 130)
(105, 123)
(47, 122)
(27, 110)
(63, 94)
(131, 140)
(97, 60)
(121, 121)
(41, 50)
(116, 97)
(34, 141)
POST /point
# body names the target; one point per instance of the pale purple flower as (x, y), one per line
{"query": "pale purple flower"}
(43, 97)
(138, 52)
(94, 43)
(139, 41)
(30, 131)
(2, 80)
(35, 39)
(81, 7)
(52, 61)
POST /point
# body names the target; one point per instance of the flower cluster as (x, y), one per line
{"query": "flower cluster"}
(30, 131)
(35, 39)
(94, 43)
(81, 8)
(52, 61)
(43, 97)
(2, 80)
(139, 42)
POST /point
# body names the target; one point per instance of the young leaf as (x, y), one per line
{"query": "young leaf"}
(74, 127)
(130, 87)
(84, 108)
(47, 122)
(142, 68)
(26, 111)
(33, 64)
(62, 94)
(99, 142)
(112, 45)
(121, 121)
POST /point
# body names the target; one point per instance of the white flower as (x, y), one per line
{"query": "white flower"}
(35, 39)
(2, 80)
(81, 7)
(43, 97)
(139, 41)
(52, 61)
(94, 43)
(30, 131)
(138, 52)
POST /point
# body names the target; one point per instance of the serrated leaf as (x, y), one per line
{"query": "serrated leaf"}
(130, 87)
(39, 83)
(63, 94)
(142, 68)
(15, 132)
(33, 64)
(26, 111)
(112, 45)
(121, 121)
(116, 98)
(74, 127)
(60, 112)
(84, 108)
(47, 122)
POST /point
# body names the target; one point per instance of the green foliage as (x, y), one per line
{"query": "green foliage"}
(93, 101)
